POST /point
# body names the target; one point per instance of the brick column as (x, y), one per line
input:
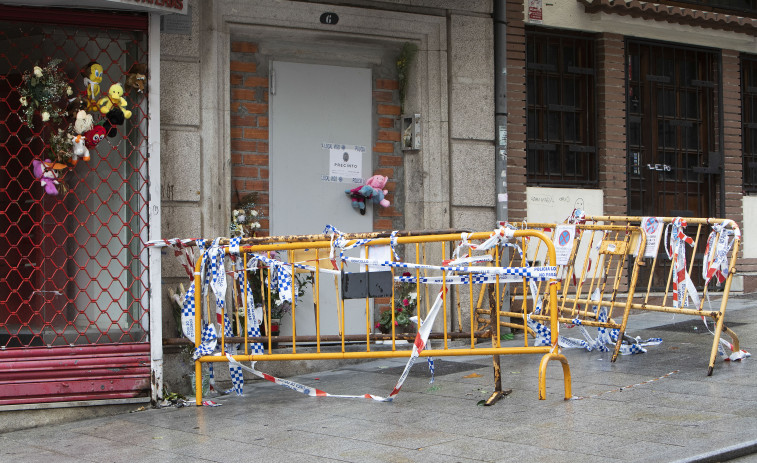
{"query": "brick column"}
(516, 111)
(611, 123)
(249, 129)
(733, 151)
(388, 158)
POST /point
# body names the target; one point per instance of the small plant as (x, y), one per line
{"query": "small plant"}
(405, 303)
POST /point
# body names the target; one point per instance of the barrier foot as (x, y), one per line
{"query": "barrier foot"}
(734, 338)
(496, 395)
(715, 343)
(543, 375)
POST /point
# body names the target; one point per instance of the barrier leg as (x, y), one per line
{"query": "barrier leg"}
(543, 375)
(498, 392)
(198, 383)
(715, 343)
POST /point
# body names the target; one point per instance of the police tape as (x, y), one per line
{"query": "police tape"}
(420, 343)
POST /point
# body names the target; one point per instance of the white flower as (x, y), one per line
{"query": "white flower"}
(235, 212)
(69, 92)
(256, 225)
(45, 116)
(23, 101)
(37, 71)
(254, 213)
(241, 218)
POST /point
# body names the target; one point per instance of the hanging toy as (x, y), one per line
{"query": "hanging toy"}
(372, 190)
(94, 136)
(136, 78)
(47, 177)
(114, 108)
(93, 76)
(82, 124)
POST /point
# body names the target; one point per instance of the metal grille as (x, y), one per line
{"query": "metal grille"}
(74, 267)
(561, 125)
(673, 136)
(749, 121)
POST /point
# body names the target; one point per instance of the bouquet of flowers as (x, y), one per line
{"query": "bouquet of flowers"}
(44, 90)
(405, 302)
(243, 218)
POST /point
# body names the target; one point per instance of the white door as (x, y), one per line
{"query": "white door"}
(312, 106)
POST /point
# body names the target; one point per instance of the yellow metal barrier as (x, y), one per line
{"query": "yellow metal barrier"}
(322, 258)
(610, 265)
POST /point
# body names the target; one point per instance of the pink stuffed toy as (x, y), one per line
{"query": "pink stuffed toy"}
(47, 177)
(372, 190)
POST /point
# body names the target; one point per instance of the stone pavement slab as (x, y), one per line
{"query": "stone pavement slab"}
(658, 406)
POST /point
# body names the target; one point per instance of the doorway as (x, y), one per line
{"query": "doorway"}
(674, 134)
(315, 107)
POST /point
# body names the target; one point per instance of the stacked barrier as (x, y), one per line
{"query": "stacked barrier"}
(611, 266)
(470, 261)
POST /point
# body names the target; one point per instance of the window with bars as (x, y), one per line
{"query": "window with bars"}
(74, 265)
(561, 120)
(749, 121)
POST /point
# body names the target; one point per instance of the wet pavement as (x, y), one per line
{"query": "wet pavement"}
(657, 406)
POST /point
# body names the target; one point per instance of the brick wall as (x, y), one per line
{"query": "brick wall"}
(733, 148)
(516, 111)
(611, 123)
(249, 137)
(387, 155)
(249, 128)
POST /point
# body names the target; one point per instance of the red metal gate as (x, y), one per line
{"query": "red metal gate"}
(74, 282)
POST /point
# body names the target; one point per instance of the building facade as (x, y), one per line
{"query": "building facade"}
(612, 107)
(633, 108)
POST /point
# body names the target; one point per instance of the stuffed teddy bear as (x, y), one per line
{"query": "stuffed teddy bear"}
(48, 178)
(372, 190)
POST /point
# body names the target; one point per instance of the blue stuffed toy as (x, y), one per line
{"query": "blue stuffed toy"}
(371, 191)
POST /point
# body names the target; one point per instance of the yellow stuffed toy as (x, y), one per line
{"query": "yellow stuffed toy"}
(93, 75)
(114, 100)
(92, 81)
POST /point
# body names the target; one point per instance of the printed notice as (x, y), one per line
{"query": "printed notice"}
(345, 163)
(652, 227)
(564, 235)
(381, 254)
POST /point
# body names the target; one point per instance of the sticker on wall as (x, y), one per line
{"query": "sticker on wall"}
(564, 236)
(535, 11)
